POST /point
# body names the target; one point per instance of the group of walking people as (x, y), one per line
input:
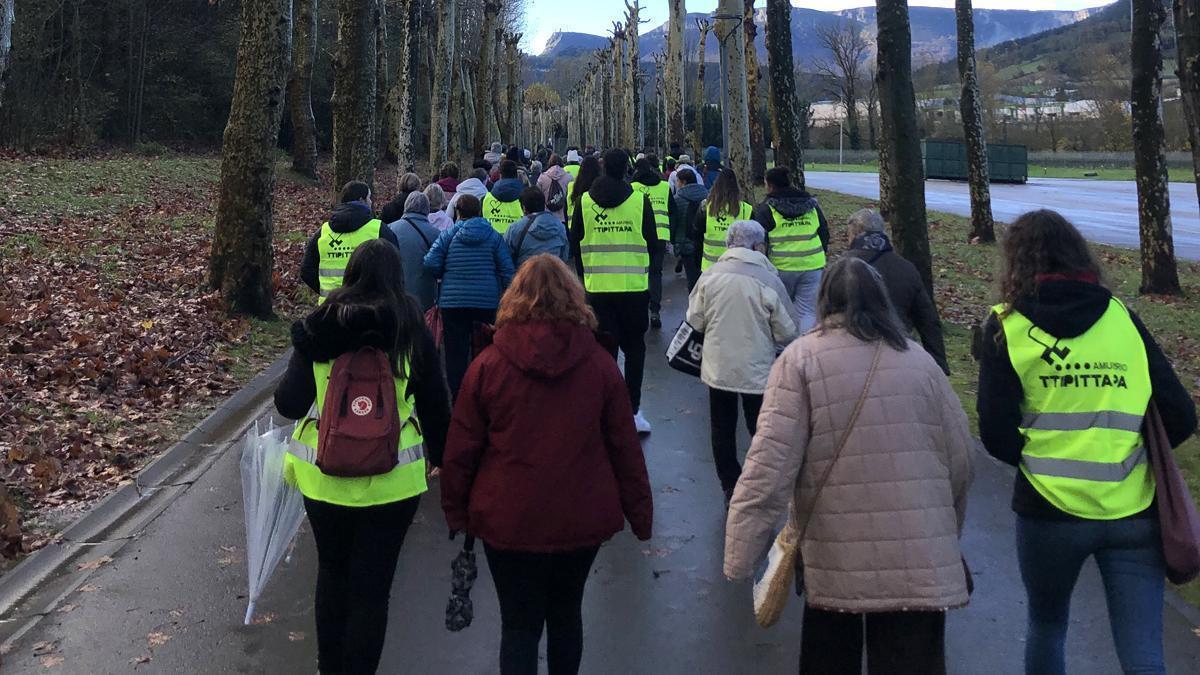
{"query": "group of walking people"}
(857, 435)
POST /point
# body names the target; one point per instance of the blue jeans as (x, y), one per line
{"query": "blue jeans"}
(1129, 555)
(802, 288)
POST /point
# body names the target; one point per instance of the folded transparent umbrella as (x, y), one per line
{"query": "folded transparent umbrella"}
(274, 507)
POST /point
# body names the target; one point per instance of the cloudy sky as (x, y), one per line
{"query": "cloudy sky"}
(544, 17)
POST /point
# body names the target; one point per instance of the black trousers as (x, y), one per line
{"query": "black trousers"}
(657, 257)
(357, 549)
(723, 419)
(691, 268)
(625, 317)
(536, 590)
(897, 643)
(458, 325)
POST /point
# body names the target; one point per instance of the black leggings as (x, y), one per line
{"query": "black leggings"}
(535, 590)
(897, 643)
(357, 549)
(723, 418)
(626, 317)
(458, 328)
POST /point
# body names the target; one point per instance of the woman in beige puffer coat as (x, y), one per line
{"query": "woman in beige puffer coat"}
(882, 538)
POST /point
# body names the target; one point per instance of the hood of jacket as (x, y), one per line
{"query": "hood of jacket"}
(474, 231)
(508, 189)
(712, 155)
(473, 187)
(749, 256)
(321, 337)
(349, 216)
(609, 192)
(555, 173)
(448, 184)
(649, 178)
(791, 202)
(542, 349)
(1065, 309)
(693, 192)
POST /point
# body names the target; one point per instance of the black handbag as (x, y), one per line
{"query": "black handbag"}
(686, 349)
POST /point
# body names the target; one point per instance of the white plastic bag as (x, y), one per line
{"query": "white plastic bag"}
(274, 508)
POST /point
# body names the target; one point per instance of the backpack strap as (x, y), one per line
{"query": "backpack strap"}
(521, 238)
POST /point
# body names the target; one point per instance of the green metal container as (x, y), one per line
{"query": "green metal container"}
(948, 160)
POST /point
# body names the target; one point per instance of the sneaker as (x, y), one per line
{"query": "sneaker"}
(641, 423)
(655, 319)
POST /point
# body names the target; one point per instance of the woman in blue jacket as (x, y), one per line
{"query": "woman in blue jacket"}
(475, 267)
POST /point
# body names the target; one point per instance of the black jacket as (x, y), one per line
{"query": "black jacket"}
(319, 337)
(609, 192)
(345, 218)
(907, 292)
(1063, 309)
(791, 203)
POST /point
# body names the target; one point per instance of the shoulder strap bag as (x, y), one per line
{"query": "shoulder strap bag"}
(783, 566)
(1177, 518)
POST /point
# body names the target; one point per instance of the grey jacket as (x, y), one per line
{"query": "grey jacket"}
(413, 247)
(547, 234)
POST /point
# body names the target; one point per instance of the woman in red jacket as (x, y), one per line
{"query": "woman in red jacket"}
(543, 463)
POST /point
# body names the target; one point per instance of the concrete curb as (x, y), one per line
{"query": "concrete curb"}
(118, 518)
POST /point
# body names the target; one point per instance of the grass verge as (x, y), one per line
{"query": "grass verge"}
(963, 275)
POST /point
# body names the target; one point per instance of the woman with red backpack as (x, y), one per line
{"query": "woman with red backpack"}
(369, 363)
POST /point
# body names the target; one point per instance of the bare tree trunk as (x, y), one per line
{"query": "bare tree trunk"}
(758, 145)
(673, 73)
(513, 54)
(734, 42)
(400, 96)
(1159, 273)
(982, 227)
(497, 121)
(633, 79)
(483, 76)
(242, 261)
(704, 27)
(304, 53)
(7, 19)
(785, 128)
(382, 119)
(902, 160)
(606, 97)
(354, 93)
(1187, 40)
(470, 113)
(443, 69)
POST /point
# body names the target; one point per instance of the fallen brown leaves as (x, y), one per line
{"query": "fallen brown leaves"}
(108, 331)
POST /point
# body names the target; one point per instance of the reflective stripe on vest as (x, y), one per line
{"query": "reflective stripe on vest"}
(572, 169)
(715, 228)
(659, 195)
(795, 244)
(613, 250)
(334, 249)
(1084, 400)
(406, 480)
(501, 214)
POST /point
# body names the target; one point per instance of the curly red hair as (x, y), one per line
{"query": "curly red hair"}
(545, 289)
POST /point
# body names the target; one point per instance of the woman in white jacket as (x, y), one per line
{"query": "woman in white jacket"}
(742, 307)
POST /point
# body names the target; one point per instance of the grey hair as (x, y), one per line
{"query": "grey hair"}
(745, 234)
(436, 196)
(865, 221)
(417, 202)
(409, 182)
(853, 298)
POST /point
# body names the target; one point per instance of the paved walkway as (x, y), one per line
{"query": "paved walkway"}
(172, 601)
(1106, 211)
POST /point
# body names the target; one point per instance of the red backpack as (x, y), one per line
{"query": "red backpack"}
(360, 423)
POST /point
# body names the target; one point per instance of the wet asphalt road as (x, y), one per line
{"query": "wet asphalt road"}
(172, 601)
(1106, 211)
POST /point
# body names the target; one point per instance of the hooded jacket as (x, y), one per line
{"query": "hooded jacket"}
(471, 186)
(346, 217)
(609, 192)
(559, 175)
(416, 235)
(320, 337)
(508, 189)
(712, 165)
(449, 185)
(687, 201)
(542, 454)
(1064, 309)
(546, 234)
(791, 203)
(473, 263)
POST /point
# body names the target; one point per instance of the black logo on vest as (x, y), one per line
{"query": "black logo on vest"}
(1074, 374)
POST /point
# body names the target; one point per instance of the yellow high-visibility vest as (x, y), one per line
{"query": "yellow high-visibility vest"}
(613, 250)
(659, 195)
(334, 249)
(501, 214)
(406, 480)
(715, 228)
(1084, 401)
(795, 244)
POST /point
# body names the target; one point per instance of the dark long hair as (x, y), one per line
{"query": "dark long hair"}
(726, 195)
(853, 298)
(1039, 243)
(374, 283)
(589, 171)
